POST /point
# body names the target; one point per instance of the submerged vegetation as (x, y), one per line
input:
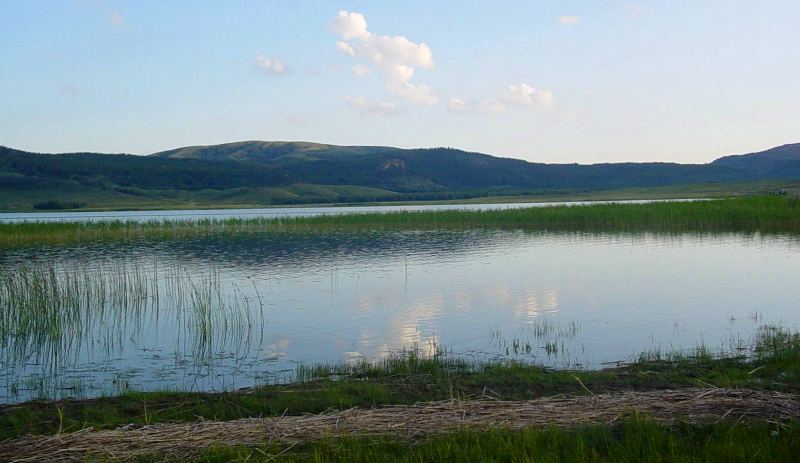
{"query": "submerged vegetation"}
(765, 214)
(51, 315)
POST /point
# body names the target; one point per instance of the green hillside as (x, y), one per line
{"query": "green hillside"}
(257, 173)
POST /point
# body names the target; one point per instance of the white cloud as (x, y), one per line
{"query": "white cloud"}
(525, 95)
(359, 70)
(350, 25)
(396, 57)
(569, 20)
(270, 66)
(519, 96)
(488, 106)
(491, 106)
(115, 19)
(367, 106)
(458, 105)
(345, 48)
(416, 93)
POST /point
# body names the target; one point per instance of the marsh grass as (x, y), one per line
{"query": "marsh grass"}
(773, 363)
(51, 314)
(540, 336)
(773, 353)
(749, 214)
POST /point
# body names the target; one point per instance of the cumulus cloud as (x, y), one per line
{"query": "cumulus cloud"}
(487, 106)
(416, 93)
(525, 95)
(359, 70)
(396, 57)
(519, 96)
(270, 66)
(367, 106)
(569, 20)
(350, 25)
(345, 48)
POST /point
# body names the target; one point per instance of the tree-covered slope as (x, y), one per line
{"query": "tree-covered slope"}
(781, 162)
(257, 165)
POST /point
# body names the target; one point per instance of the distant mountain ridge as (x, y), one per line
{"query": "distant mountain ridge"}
(423, 169)
(779, 162)
(371, 171)
(265, 151)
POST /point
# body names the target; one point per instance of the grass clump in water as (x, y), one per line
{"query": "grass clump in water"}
(413, 377)
(750, 214)
(51, 314)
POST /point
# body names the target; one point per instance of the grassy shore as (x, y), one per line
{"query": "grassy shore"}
(749, 214)
(133, 199)
(772, 364)
(636, 440)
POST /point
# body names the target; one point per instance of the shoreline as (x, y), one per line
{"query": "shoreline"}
(697, 190)
(773, 364)
(768, 214)
(415, 402)
(186, 441)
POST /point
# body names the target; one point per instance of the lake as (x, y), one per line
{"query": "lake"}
(278, 212)
(209, 314)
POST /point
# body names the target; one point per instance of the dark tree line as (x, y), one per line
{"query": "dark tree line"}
(416, 171)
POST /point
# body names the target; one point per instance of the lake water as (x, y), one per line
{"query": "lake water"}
(210, 314)
(199, 214)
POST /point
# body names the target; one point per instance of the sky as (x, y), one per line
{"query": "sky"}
(546, 81)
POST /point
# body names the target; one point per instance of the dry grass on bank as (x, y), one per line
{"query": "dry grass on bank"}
(184, 440)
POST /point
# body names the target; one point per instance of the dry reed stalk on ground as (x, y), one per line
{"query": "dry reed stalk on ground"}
(181, 440)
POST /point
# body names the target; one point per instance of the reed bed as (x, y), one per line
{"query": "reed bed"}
(184, 440)
(765, 214)
(50, 313)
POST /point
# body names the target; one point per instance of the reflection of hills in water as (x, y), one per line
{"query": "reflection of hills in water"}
(283, 250)
(77, 311)
(212, 313)
(286, 251)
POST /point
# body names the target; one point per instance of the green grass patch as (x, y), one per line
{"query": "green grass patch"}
(748, 214)
(774, 364)
(635, 440)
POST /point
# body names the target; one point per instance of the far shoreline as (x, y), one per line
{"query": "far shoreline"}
(690, 191)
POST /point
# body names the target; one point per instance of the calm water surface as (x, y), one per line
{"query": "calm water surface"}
(560, 299)
(198, 214)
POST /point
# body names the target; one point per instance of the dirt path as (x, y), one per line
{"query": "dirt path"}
(181, 440)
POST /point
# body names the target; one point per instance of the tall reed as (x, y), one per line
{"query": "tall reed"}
(49, 313)
(750, 214)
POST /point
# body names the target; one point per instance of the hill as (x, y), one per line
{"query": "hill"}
(408, 170)
(779, 162)
(258, 173)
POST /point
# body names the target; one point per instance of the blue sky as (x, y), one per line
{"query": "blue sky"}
(549, 81)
